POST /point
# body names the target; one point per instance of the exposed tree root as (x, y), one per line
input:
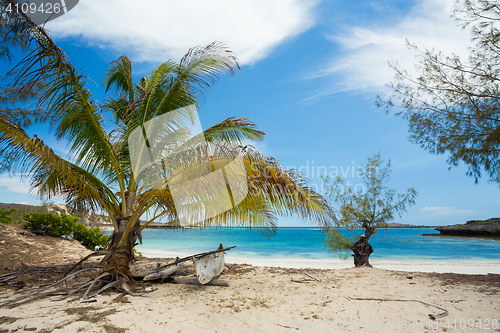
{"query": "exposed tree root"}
(74, 291)
(43, 292)
(11, 276)
(98, 253)
(97, 279)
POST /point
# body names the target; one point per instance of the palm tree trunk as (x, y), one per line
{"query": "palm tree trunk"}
(117, 261)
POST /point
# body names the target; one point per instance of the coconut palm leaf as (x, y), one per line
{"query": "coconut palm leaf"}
(52, 175)
(234, 130)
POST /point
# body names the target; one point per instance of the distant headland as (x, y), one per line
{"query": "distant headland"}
(473, 228)
(402, 225)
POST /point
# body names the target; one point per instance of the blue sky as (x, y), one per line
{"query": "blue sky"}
(311, 71)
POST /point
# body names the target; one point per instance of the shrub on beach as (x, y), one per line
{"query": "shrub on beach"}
(51, 223)
(5, 214)
(64, 225)
(91, 238)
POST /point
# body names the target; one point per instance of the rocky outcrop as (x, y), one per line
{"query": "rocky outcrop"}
(486, 228)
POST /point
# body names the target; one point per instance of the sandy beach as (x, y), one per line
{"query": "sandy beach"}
(259, 299)
(264, 299)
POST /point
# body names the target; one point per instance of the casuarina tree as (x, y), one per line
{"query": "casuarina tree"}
(368, 209)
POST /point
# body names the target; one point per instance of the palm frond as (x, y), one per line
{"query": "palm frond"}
(266, 188)
(234, 130)
(287, 192)
(119, 76)
(53, 175)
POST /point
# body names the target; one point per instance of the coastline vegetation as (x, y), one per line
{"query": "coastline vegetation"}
(452, 102)
(368, 210)
(66, 226)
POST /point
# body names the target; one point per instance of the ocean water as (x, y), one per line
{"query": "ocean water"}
(306, 245)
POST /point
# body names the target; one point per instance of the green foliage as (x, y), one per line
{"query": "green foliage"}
(5, 214)
(77, 214)
(91, 238)
(369, 208)
(452, 104)
(137, 253)
(51, 223)
(336, 242)
(63, 225)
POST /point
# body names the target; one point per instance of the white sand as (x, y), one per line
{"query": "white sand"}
(266, 300)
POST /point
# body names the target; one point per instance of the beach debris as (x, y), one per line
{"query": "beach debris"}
(11, 276)
(312, 277)
(301, 279)
(286, 326)
(326, 302)
(209, 266)
(97, 253)
(121, 298)
(199, 255)
(163, 273)
(89, 301)
(183, 280)
(431, 316)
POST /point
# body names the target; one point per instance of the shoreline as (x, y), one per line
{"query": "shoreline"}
(471, 266)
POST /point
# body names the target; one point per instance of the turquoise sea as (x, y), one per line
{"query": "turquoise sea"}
(305, 245)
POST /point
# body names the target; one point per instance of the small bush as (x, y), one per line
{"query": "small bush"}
(5, 214)
(51, 223)
(91, 238)
(64, 225)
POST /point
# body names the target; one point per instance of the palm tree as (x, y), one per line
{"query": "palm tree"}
(101, 177)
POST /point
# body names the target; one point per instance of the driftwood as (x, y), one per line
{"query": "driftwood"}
(183, 280)
(163, 273)
(441, 315)
(300, 279)
(312, 277)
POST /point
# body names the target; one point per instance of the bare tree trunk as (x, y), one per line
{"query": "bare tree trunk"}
(362, 249)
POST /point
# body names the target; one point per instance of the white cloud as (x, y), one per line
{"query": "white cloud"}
(159, 30)
(14, 184)
(366, 51)
(447, 211)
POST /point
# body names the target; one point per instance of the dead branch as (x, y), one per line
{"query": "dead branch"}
(441, 315)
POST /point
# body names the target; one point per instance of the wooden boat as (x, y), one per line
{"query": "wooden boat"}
(209, 266)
